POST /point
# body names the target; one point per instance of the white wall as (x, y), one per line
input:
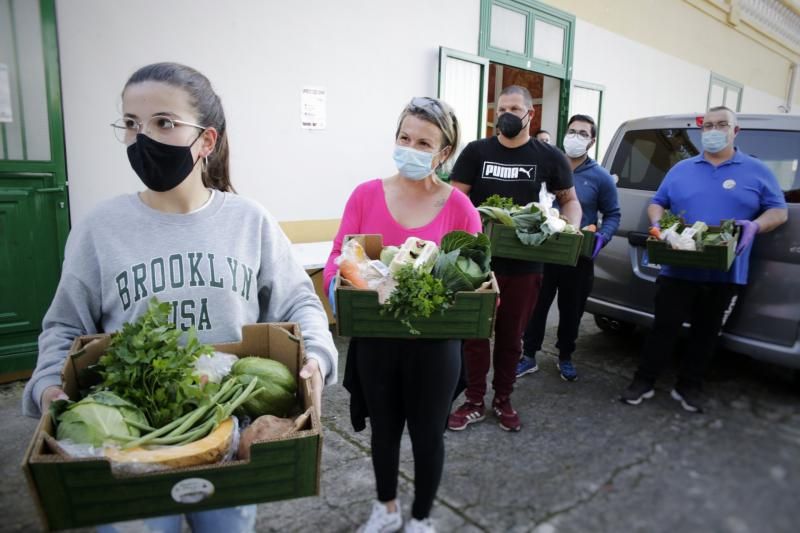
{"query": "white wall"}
(642, 81)
(755, 101)
(639, 81)
(551, 90)
(372, 57)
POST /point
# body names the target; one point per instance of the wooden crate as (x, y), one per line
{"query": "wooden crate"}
(73, 493)
(358, 313)
(560, 248)
(712, 257)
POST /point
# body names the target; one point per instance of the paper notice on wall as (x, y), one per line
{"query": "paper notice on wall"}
(5, 95)
(313, 108)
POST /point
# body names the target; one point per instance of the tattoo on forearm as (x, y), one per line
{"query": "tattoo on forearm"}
(562, 195)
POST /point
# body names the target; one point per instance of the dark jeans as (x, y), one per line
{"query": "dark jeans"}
(573, 285)
(518, 295)
(408, 381)
(706, 306)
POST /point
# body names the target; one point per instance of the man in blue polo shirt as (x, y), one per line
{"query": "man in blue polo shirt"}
(721, 183)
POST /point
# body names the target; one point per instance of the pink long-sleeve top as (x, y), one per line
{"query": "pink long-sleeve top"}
(366, 212)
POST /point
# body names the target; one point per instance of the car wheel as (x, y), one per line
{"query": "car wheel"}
(612, 325)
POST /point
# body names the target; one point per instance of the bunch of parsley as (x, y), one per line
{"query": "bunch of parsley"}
(146, 365)
(501, 202)
(417, 295)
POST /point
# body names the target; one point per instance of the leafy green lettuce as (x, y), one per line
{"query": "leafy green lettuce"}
(464, 261)
(100, 417)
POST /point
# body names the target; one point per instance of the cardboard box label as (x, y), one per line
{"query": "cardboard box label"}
(192, 490)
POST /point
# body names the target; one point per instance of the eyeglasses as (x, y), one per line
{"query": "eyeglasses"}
(435, 110)
(158, 127)
(427, 104)
(582, 134)
(721, 126)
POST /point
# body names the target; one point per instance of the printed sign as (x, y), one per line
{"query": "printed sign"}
(192, 490)
(313, 108)
(5, 95)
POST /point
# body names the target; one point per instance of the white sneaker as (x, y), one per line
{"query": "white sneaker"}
(419, 526)
(382, 521)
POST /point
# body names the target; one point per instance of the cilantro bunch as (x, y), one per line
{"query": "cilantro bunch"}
(147, 366)
(417, 295)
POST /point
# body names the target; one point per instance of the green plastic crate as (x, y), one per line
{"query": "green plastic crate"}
(587, 247)
(358, 312)
(73, 493)
(712, 257)
(560, 248)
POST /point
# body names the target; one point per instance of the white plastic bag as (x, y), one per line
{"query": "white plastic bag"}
(215, 366)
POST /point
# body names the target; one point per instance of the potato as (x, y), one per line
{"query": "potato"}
(268, 427)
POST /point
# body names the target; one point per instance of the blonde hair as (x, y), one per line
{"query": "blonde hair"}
(438, 113)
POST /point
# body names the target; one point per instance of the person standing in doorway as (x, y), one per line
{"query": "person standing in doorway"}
(543, 136)
(482, 170)
(597, 193)
(721, 183)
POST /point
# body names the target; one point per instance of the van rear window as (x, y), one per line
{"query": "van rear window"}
(645, 156)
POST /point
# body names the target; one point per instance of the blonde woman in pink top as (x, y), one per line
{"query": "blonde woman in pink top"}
(399, 381)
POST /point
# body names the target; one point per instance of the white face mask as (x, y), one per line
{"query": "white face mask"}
(575, 147)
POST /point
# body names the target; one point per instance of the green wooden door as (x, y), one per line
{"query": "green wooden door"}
(34, 216)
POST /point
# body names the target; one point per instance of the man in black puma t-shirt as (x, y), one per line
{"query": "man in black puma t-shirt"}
(515, 166)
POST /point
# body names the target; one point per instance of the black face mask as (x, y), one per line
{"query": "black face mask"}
(509, 124)
(161, 167)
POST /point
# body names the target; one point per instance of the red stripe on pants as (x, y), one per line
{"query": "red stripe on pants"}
(518, 295)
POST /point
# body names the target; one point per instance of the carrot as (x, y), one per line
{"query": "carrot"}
(349, 271)
(591, 227)
(655, 232)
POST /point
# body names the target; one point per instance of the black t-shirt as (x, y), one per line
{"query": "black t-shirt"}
(491, 168)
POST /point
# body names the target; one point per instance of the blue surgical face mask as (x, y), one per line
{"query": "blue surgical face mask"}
(413, 164)
(714, 141)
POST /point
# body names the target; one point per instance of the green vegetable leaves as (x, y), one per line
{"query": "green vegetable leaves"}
(146, 365)
(502, 202)
(100, 417)
(417, 295)
(464, 261)
(668, 219)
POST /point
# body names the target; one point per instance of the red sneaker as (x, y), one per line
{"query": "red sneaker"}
(507, 416)
(467, 414)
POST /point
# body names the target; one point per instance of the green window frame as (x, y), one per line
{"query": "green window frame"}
(728, 87)
(533, 11)
(597, 119)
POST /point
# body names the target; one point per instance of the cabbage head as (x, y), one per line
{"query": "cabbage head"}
(464, 261)
(99, 418)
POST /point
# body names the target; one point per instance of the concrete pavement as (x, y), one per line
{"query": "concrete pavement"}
(582, 462)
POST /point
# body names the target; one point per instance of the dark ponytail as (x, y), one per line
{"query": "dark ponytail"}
(208, 106)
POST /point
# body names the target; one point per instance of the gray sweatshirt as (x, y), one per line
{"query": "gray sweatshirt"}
(220, 267)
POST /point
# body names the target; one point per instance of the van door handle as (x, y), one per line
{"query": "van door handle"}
(51, 189)
(637, 238)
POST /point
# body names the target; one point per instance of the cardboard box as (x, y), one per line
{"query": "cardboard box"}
(712, 256)
(359, 314)
(560, 248)
(74, 493)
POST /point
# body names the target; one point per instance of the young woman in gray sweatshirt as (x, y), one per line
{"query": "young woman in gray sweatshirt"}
(221, 261)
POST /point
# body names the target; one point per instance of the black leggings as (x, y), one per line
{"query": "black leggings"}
(408, 381)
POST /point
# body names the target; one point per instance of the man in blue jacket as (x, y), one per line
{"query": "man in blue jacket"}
(721, 183)
(596, 191)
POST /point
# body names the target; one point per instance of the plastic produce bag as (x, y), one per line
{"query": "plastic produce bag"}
(215, 366)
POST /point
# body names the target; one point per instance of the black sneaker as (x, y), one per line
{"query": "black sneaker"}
(637, 391)
(690, 397)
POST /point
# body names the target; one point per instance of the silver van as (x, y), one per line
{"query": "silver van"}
(765, 323)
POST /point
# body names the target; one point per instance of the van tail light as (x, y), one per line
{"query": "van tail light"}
(699, 121)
